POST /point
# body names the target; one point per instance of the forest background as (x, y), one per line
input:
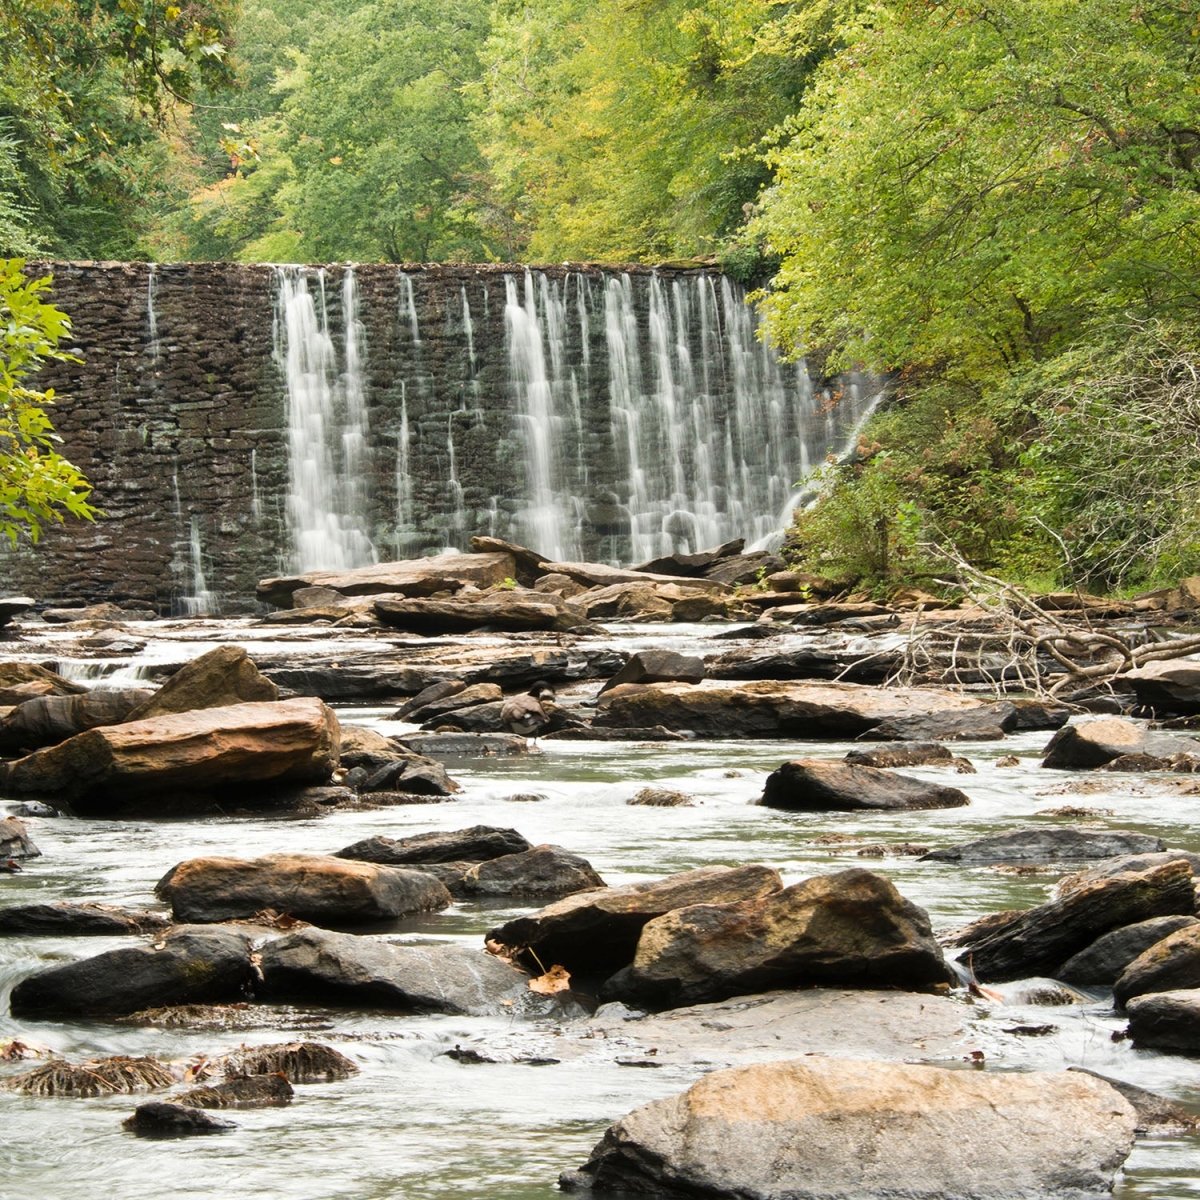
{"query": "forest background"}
(995, 203)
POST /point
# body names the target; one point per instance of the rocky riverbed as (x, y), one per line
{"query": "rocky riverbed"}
(469, 1082)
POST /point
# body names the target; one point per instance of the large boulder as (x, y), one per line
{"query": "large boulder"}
(851, 929)
(1106, 958)
(189, 966)
(543, 872)
(221, 677)
(1172, 686)
(827, 1129)
(412, 577)
(17, 676)
(47, 720)
(183, 759)
(1166, 966)
(596, 933)
(318, 966)
(1040, 940)
(476, 844)
(816, 785)
(321, 889)
(510, 612)
(1049, 845)
(768, 708)
(1167, 1021)
(1095, 743)
(1125, 864)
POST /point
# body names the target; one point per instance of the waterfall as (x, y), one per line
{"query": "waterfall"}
(327, 423)
(202, 602)
(153, 347)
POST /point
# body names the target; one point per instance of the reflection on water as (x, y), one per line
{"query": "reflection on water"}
(416, 1124)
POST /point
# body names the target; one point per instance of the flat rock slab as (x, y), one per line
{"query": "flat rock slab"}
(501, 611)
(411, 577)
(77, 920)
(849, 929)
(322, 889)
(817, 785)
(317, 966)
(193, 754)
(596, 933)
(1046, 845)
(189, 966)
(476, 844)
(600, 575)
(988, 723)
(827, 1130)
(449, 747)
(770, 708)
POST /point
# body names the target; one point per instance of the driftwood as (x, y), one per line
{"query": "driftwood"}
(1027, 645)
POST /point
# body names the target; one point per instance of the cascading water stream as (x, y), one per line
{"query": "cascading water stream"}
(327, 424)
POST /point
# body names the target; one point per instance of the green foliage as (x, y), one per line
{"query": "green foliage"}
(971, 184)
(36, 483)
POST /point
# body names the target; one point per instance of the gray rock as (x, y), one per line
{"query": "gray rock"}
(1168, 965)
(1092, 744)
(1167, 1021)
(459, 745)
(189, 966)
(64, 918)
(13, 606)
(444, 689)
(321, 889)
(658, 666)
(317, 966)
(987, 723)
(544, 872)
(476, 844)
(15, 841)
(476, 693)
(1172, 686)
(1124, 865)
(850, 929)
(1046, 845)
(1157, 1116)
(815, 1129)
(816, 785)
(901, 754)
(47, 720)
(1107, 957)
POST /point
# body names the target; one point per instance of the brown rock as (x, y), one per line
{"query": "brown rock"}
(815, 785)
(217, 679)
(184, 758)
(47, 720)
(500, 610)
(1168, 965)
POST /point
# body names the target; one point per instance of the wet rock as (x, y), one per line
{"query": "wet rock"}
(297, 1062)
(661, 798)
(317, 966)
(1039, 714)
(597, 932)
(221, 677)
(1093, 743)
(98, 614)
(182, 760)
(767, 708)
(1188, 764)
(412, 773)
(1045, 845)
(415, 577)
(1172, 686)
(734, 569)
(509, 612)
(1166, 966)
(444, 689)
(243, 1091)
(15, 841)
(1106, 958)
(48, 720)
(850, 929)
(1040, 940)
(544, 872)
(593, 733)
(461, 744)
(476, 693)
(987, 723)
(64, 918)
(1167, 1021)
(818, 1128)
(901, 754)
(1123, 865)
(20, 674)
(352, 681)
(658, 666)
(323, 890)
(599, 575)
(476, 844)
(815, 785)
(188, 966)
(13, 606)
(690, 565)
(836, 662)
(829, 612)
(1157, 1116)
(158, 1119)
(527, 570)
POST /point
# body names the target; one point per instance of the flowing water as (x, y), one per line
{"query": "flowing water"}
(417, 1124)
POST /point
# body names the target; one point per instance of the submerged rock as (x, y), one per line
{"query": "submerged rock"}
(850, 929)
(596, 933)
(242, 1091)
(189, 966)
(1044, 845)
(317, 966)
(182, 761)
(816, 785)
(901, 754)
(159, 1119)
(321, 889)
(826, 1129)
